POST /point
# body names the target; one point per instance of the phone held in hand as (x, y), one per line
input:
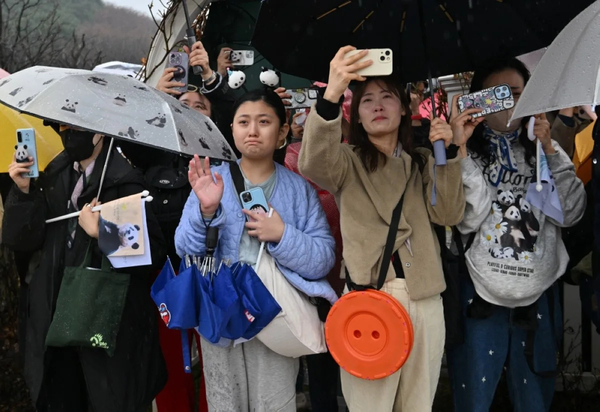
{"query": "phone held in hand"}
(181, 62)
(26, 148)
(254, 200)
(383, 62)
(492, 100)
(302, 98)
(241, 57)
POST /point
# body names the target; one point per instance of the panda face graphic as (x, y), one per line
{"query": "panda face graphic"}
(236, 79)
(513, 214)
(22, 155)
(129, 235)
(506, 198)
(524, 205)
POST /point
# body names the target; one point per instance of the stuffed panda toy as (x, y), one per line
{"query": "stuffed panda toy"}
(236, 79)
(113, 237)
(22, 155)
(269, 77)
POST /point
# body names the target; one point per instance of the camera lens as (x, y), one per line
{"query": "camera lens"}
(387, 52)
(382, 58)
(19, 137)
(247, 197)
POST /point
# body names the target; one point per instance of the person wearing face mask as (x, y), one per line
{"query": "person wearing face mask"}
(75, 378)
(510, 305)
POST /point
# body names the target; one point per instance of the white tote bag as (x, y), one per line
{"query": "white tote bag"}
(297, 330)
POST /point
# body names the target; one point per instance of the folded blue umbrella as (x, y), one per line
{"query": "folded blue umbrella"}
(225, 295)
(176, 297)
(260, 307)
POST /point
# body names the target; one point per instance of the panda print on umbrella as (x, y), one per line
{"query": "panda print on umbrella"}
(70, 106)
(514, 229)
(159, 121)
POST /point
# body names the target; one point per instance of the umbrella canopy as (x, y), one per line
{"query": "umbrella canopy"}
(48, 142)
(113, 105)
(569, 73)
(461, 34)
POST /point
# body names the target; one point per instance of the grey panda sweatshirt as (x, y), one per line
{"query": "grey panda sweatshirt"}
(517, 252)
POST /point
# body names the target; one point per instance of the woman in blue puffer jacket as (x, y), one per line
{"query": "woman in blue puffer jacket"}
(251, 377)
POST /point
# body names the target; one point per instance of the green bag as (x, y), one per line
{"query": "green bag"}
(89, 307)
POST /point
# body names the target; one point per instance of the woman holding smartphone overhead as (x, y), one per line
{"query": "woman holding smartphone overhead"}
(249, 376)
(368, 177)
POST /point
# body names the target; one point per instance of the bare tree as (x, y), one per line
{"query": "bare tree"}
(27, 40)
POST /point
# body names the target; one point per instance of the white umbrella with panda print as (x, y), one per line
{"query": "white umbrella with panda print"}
(115, 106)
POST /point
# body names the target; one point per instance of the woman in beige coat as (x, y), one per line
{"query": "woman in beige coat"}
(368, 177)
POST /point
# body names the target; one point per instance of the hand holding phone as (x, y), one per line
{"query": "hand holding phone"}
(180, 61)
(25, 149)
(254, 200)
(492, 100)
(382, 62)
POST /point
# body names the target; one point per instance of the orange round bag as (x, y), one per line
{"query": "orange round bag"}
(368, 332)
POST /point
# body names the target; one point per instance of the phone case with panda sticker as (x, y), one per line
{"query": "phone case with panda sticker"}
(25, 148)
(254, 199)
(492, 100)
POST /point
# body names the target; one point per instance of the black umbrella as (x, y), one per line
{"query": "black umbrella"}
(300, 38)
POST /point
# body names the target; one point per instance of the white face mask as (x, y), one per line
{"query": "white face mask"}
(499, 122)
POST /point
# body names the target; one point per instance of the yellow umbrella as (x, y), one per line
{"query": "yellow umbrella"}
(582, 158)
(48, 142)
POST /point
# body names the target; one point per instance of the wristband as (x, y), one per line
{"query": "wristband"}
(416, 117)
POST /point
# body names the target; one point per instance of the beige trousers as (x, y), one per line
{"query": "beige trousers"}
(412, 388)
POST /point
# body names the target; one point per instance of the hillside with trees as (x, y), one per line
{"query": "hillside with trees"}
(70, 33)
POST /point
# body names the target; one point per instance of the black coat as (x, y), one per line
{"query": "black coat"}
(136, 373)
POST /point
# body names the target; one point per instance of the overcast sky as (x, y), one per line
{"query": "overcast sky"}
(139, 5)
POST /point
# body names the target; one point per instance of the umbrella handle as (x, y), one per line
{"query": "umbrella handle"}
(145, 198)
(262, 246)
(538, 149)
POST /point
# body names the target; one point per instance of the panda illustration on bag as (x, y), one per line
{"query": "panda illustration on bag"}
(113, 237)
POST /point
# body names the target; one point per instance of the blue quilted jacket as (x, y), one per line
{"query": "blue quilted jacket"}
(306, 252)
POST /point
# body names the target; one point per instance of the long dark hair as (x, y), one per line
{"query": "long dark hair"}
(263, 95)
(478, 143)
(370, 156)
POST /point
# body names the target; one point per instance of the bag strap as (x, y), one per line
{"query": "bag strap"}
(387, 252)
(238, 178)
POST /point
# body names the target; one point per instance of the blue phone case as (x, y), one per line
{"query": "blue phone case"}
(257, 199)
(26, 147)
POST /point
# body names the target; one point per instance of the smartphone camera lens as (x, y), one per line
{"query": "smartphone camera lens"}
(247, 197)
(382, 58)
(19, 137)
(387, 52)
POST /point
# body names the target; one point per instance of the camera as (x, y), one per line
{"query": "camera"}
(247, 197)
(502, 92)
(19, 137)
(242, 57)
(302, 98)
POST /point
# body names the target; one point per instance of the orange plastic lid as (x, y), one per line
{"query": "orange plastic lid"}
(369, 334)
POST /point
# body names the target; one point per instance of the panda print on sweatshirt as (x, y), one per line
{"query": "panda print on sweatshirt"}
(514, 231)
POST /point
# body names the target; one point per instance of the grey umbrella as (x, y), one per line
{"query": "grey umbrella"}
(114, 105)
